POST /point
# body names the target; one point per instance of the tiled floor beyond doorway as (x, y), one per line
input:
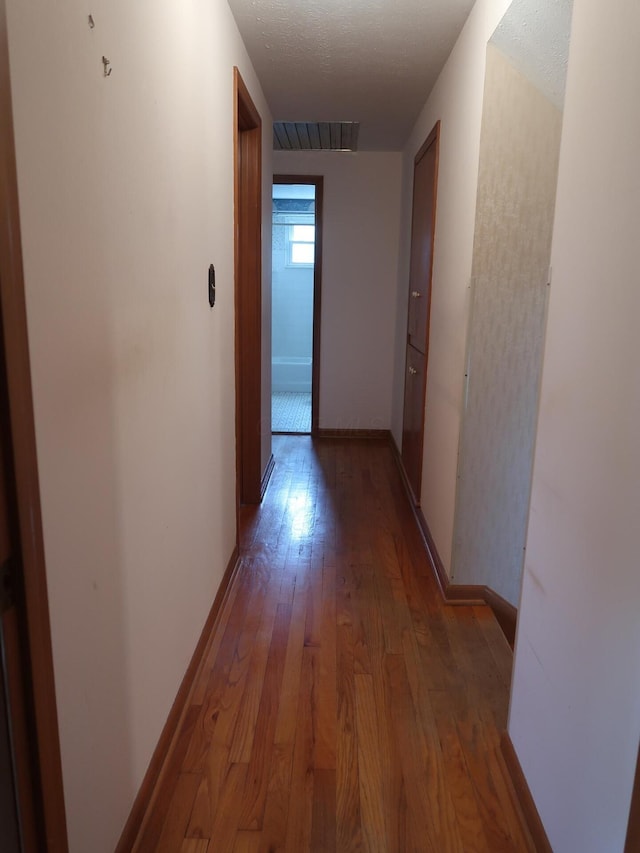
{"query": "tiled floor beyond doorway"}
(340, 706)
(291, 411)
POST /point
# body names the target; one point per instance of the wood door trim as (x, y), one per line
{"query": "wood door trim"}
(268, 471)
(39, 677)
(434, 134)
(318, 183)
(317, 306)
(433, 138)
(247, 168)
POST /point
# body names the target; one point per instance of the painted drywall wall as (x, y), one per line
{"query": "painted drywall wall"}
(519, 148)
(359, 272)
(575, 708)
(126, 195)
(456, 101)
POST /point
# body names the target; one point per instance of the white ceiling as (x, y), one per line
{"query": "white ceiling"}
(372, 61)
(534, 34)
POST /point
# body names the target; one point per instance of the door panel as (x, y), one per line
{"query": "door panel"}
(422, 223)
(248, 294)
(413, 419)
(28, 691)
(422, 234)
(9, 832)
(9, 823)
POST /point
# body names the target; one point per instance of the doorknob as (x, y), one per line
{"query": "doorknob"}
(416, 294)
(412, 371)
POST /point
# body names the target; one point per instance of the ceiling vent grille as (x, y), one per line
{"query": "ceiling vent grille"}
(315, 135)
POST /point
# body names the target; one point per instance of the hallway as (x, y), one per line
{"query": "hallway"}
(341, 706)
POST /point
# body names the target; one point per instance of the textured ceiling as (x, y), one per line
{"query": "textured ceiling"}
(534, 34)
(372, 61)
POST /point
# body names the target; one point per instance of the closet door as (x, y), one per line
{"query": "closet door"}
(413, 420)
(422, 234)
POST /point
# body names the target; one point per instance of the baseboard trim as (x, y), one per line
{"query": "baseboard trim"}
(141, 803)
(633, 827)
(506, 614)
(266, 476)
(522, 795)
(460, 594)
(414, 500)
(457, 594)
(378, 434)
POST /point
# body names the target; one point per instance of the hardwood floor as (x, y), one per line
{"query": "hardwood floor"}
(340, 706)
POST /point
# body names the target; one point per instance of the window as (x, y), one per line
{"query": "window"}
(302, 243)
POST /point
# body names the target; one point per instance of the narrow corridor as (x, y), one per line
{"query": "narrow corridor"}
(341, 706)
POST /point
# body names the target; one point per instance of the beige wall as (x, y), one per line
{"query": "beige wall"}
(126, 193)
(519, 148)
(359, 273)
(575, 711)
(456, 100)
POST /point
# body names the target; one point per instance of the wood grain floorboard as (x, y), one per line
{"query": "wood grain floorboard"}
(260, 761)
(370, 764)
(301, 806)
(194, 845)
(340, 705)
(323, 822)
(348, 824)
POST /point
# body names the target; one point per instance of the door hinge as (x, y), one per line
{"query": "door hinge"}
(6, 585)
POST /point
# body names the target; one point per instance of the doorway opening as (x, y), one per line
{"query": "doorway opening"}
(295, 332)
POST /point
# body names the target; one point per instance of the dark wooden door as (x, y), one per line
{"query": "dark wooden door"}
(28, 692)
(9, 748)
(420, 273)
(422, 248)
(413, 420)
(9, 833)
(248, 294)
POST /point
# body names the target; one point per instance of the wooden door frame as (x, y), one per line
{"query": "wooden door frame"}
(247, 169)
(433, 137)
(318, 182)
(37, 675)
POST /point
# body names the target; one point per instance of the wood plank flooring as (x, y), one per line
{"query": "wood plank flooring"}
(340, 706)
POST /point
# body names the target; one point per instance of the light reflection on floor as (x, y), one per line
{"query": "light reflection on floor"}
(300, 511)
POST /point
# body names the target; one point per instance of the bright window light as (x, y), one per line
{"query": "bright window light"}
(303, 233)
(302, 244)
(302, 253)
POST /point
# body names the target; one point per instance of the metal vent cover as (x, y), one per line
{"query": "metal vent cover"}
(315, 135)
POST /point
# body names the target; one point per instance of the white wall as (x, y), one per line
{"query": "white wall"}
(575, 712)
(456, 100)
(126, 193)
(359, 273)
